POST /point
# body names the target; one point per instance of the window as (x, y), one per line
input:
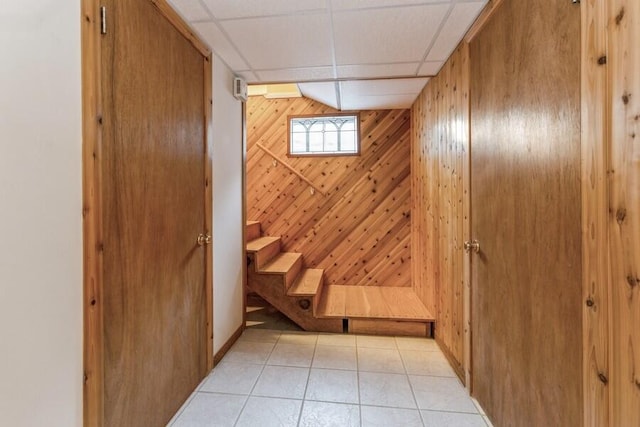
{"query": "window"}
(335, 135)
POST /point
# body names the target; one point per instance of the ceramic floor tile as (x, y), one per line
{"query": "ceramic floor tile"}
(282, 381)
(330, 385)
(341, 340)
(291, 355)
(375, 342)
(301, 338)
(420, 362)
(334, 357)
(322, 414)
(411, 343)
(211, 410)
(441, 394)
(249, 352)
(373, 416)
(451, 419)
(380, 360)
(380, 389)
(260, 335)
(232, 377)
(270, 412)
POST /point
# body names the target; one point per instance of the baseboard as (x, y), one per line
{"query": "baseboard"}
(227, 346)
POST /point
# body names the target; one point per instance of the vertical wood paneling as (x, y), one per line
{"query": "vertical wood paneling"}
(595, 271)
(440, 208)
(359, 230)
(526, 207)
(624, 210)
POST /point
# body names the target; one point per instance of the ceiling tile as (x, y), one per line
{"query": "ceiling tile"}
(430, 68)
(378, 102)
(225, 9)
(295, 74)
(282, 42)
(221, 45)
(191, 10)
(324, 92)
(382, 87)
(457, 24)
(375, 36)
(377, 70)
(360, 4)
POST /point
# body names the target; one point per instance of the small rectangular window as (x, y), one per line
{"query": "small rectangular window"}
(324, 135)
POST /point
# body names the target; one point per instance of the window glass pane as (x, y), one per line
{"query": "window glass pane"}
(297, 127)
(316, 127)
(298, 142)
(331, 141)
(315, 142)
(348, 141)
(350, 125)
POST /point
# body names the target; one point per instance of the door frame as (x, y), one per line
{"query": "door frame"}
(93, 327)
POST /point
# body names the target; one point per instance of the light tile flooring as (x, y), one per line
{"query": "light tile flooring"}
(289, 378)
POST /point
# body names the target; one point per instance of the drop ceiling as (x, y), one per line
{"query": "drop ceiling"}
(350, 54)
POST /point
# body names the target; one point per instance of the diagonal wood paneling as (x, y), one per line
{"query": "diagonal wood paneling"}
(359, 231)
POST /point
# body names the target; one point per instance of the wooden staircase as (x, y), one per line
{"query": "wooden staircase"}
(299, 293)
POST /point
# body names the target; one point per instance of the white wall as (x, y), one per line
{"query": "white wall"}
(228, 254)
(40, 214)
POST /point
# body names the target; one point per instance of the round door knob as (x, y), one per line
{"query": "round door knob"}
(472, 245)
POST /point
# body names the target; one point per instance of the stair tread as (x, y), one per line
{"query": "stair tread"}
(252, 223)
(373, 302)
(308, 282)
(281, 263)
(261, 242)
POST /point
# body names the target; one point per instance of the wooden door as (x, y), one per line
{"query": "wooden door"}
(525, 171)
(153, 209)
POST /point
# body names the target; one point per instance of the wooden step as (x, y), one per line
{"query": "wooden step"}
(253, 230)
(287, 264)
(264, 249)
(308, 283)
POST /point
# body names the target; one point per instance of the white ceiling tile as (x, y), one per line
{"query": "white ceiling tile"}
(457, 24)
(430, 68)
(360, 4)
(324, 92)
(191, 10)
(375, 36)
(282, 42)
(220, 45)
(382, 87)
(378, 102)
(249, 76)
(225, 9)
(295, 74)
(365, 71)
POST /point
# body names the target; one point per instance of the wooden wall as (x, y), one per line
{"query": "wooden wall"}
(525, 180)
(359, 229)
(611, 211)
(440, 208)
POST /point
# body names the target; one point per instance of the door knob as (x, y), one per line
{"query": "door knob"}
(472, 245)
(203, 239)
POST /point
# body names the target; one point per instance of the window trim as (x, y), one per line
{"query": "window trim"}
(305, 116)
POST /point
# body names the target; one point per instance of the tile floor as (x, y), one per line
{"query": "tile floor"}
(291, 378)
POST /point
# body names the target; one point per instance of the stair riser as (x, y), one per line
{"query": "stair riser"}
(317, 296)
(264, 255)
(253, 231)
(290, 276)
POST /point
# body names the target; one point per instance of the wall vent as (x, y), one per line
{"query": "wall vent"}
(240, 89)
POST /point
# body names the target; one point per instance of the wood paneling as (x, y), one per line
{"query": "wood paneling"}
(525, 165)
(595, 213)
(624, 210)
(440, 207)
(359, 230)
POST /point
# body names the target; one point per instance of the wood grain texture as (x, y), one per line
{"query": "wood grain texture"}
(440, 206)
(359, 233)
(93, 361)
(154, 162)
(624, 210)
(388, 327)
(526, 207)
(595, 213)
